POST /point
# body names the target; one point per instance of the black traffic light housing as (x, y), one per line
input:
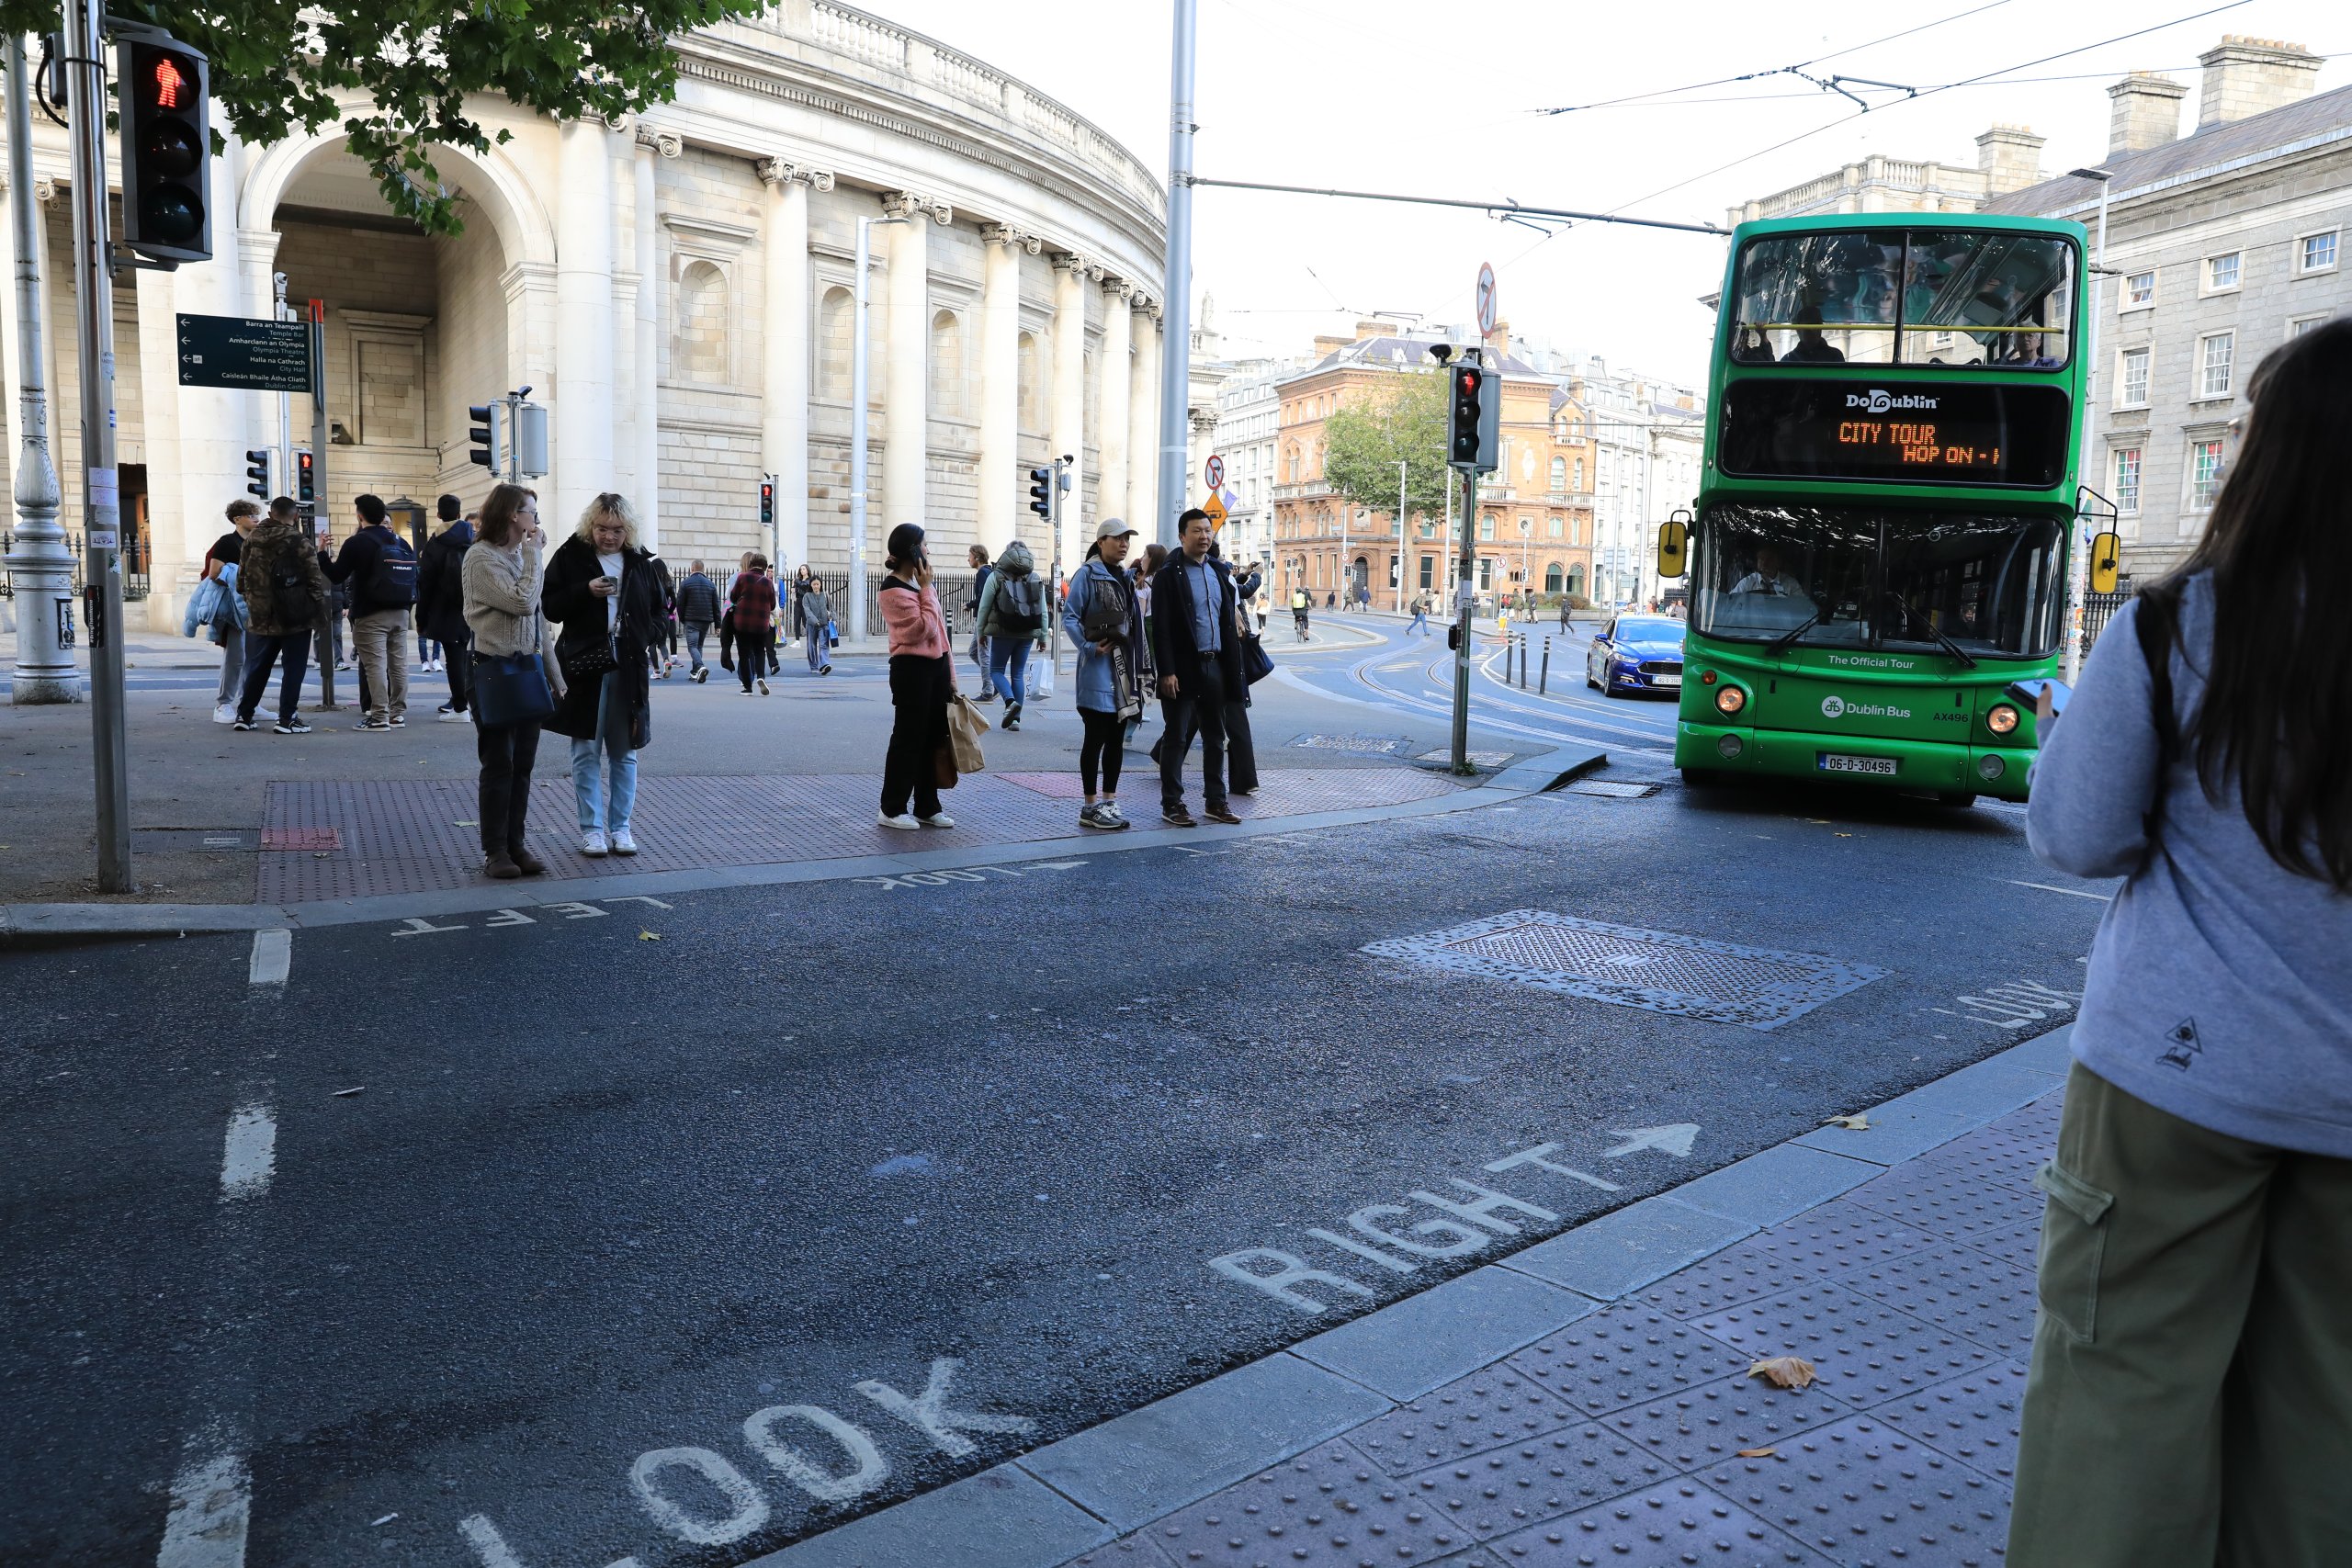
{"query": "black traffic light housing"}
(305, 477)
(257, 472)
(484, 434)
(767, 502)
(1041, 491)
(1473, 417)
(166, 147)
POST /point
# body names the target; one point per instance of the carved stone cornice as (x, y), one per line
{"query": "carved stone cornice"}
(1117, 288)
(1076, 263)
(668, 143)
(779, 171)
(1006, 234)
(911, 204)
(44, 191)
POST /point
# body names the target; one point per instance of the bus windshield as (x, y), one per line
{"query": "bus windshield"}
(1997, 300)
(1877, 577)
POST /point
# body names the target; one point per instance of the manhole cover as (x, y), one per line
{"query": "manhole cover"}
(1612, 788)
(1386, 745)
(183, 841)
(1660, 971)
(1484, 759)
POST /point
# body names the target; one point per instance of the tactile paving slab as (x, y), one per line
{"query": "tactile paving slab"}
(1505, 1489)
(1710, 1425)
(2017, 1245)
(1672, 1525)
(1128, 1552)
(1973, 1418)
(1957, 1289)
(419, 835)
(1946, 1205)
(1658, 971)
(1820, 1244)
(1864, 1493)
(1490, 1409)
(1999, 1158)
(1327, 1508)
(1863, 1352)
(1622, 1355)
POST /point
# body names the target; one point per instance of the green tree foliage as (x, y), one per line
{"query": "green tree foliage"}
(396, 74)
(1364, 441)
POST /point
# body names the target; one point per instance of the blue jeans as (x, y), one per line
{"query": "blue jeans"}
(695, 632)
(611, 742)
(820, 657)
(1008, 653)
(1420, 619)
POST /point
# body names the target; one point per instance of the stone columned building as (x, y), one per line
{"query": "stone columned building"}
(678, 291)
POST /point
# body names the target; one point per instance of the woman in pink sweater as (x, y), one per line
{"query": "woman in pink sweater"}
(923, 677)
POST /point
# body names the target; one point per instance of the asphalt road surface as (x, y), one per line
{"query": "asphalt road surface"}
(653, 1248)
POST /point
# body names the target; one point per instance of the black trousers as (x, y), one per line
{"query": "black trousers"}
(1102, 750)
(458, 654)
(1203, 709)
(507, 753)
(292, 650)
(919, 688)
(1240, 750)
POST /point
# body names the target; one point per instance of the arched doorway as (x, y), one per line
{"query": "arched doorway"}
(1552, 579)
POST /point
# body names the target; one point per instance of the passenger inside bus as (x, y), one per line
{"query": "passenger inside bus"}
(1811, 347)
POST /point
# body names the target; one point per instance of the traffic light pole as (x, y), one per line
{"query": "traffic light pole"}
(101, 501)
(1465, 602)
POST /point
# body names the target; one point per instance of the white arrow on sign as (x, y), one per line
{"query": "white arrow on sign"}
(1673, 1140)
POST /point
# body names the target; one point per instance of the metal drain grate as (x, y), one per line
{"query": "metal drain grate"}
(1660, 971)
(1484, 759)
(1385, 745)
(1613, 788)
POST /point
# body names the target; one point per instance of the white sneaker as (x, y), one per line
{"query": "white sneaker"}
(762, 684)
(592, 843)
(900, 820)
(622, 843)
(937, 819)
(225, 714)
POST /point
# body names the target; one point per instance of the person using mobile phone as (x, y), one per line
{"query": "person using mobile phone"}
(601, 586)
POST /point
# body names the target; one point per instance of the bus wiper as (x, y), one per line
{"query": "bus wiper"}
(1952, 647)
(1781, 644)
(1910, 616)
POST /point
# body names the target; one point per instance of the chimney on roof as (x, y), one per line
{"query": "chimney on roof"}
(1375, 329)
(2252, 75)
(2146, 112)
(1498, 340)
(2011, 156)
(1326, 346)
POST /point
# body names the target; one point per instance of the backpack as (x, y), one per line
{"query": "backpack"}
(289, 590)
(1020, 609)
(391, 581)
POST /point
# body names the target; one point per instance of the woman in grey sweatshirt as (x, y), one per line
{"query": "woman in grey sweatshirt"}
(2190, 1399)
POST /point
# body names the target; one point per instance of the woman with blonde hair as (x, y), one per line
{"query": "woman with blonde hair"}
(602, 587)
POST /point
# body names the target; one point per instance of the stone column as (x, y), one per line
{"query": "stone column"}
(906, 404)
(653, 293)
(250, 291)
(784, 387)
(1143, 423)
(999, 515)
(1070, 274)
(170, 574)
(1114, 381)
(583, 414)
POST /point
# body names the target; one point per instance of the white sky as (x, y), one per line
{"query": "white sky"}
(1432, 100)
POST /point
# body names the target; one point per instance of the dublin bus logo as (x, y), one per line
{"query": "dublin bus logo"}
(1879, 400)
(1834, 705)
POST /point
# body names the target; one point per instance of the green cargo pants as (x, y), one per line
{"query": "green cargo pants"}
(2190, 1402)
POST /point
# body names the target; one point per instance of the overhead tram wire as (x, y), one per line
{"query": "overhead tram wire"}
(1505, 209)
(1777, 70)
(1918, 93)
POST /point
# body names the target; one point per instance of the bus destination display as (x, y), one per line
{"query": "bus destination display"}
(1935, 433)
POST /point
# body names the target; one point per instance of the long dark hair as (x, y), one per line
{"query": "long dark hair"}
(903, 552)
(2276, 716)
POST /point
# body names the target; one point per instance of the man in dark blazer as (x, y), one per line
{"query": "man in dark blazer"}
(1196, 646)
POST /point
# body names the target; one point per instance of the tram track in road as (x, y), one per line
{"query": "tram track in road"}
(1568, 719)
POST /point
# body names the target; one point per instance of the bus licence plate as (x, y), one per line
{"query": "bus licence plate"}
(1834, 762)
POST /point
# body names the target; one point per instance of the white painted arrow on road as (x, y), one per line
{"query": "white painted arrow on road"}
(1673, 1140)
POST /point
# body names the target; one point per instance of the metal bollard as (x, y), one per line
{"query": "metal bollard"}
(1523, 662)
(1543, 675)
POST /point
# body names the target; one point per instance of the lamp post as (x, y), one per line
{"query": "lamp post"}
(39, 567)
(2078, 563)
(857, 417)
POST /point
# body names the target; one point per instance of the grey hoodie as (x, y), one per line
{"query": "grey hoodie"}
(2220, 983)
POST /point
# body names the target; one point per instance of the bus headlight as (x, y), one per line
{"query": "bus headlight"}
(2002, 720)
(1730, 700)
(1990, 767)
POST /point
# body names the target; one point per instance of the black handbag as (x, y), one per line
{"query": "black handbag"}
(592, 662)
(1256, 662)
(511, 689)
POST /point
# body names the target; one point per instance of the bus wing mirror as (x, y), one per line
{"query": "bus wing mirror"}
(1673, 545)
(2107, 553)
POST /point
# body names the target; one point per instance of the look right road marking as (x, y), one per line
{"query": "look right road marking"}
(273, 957)
(250, 1154)
(211, 1504)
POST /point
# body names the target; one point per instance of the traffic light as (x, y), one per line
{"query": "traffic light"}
(1041, 493)
(767, 502)
(257, 472)
(1473, 414)
(484, 435)
(166, 147)
(305, 477)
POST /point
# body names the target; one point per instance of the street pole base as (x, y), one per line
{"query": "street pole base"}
(1463, 770)
(31, 689)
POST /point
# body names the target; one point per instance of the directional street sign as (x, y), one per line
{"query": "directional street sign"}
(1486, 298)
(1213, 472)
(1214, 507)
(244, 352)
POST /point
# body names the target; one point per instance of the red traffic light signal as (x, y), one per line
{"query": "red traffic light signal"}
(166, 146)
(167, 85)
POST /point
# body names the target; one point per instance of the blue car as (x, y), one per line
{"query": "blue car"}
(1636, 653)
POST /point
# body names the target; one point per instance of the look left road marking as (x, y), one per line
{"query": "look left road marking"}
(273, 957)
(250, 1154)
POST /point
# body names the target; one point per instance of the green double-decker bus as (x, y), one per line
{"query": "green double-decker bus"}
(1878, 556)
